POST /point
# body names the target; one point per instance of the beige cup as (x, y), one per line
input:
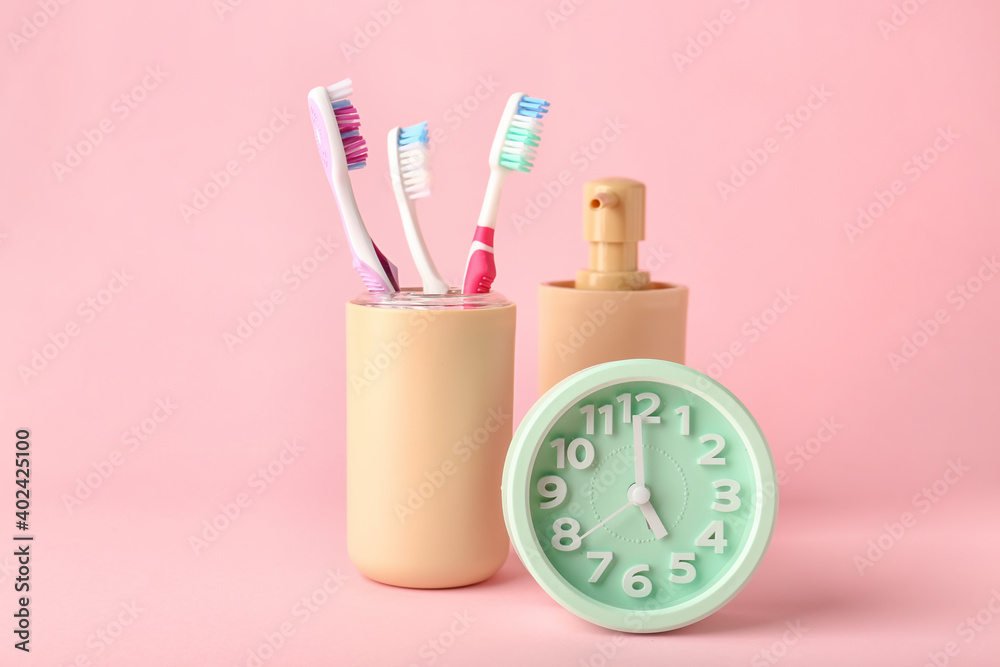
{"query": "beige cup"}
(430, 385)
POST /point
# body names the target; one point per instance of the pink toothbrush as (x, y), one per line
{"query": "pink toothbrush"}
(342, 148)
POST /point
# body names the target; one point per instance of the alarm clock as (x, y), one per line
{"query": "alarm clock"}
(640, 494)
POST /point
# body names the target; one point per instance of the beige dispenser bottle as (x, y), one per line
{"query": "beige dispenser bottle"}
(612, 310)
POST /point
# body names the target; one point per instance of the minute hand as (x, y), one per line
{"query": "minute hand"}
(637, 454)
(608, 518)
(639, 494)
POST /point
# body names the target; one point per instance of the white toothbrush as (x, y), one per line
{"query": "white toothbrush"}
(408, 166)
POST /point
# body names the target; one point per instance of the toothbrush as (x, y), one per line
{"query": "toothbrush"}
(342, 148)
(513, 150)
(410, 181)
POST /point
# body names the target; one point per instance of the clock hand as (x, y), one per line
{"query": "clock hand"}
(653, 520)
(608, 518)
(639, 493)
(640, 471)
(639, 496)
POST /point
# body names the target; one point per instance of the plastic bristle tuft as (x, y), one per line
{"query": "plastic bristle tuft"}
(340, 90)
(414, 169)
(414, 134)
(523, 134)
(532, 107)
(349, 124)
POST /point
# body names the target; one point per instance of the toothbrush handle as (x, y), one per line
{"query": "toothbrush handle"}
(480, 269)
(491, 202)
(429, 276)
(377, 272)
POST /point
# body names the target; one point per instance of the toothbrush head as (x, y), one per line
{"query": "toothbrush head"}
(338, 110)
(349, 124)
(412, 150)
(519, 133)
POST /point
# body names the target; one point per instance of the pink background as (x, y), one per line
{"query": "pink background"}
(681, 127)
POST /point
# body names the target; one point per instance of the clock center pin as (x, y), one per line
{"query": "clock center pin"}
(638, 495)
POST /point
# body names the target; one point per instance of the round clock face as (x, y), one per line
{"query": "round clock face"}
(640, 494)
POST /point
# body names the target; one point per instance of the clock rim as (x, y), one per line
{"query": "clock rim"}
(516, 494)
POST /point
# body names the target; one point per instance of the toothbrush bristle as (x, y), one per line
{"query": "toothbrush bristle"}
(413, 148)
(349, 123)
(340, 90)
(524, 131)
(414, 134)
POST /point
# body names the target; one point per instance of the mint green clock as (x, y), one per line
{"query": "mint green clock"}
(640, 494)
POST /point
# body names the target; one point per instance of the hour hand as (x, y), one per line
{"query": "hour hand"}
(639, 496)
(653, 519)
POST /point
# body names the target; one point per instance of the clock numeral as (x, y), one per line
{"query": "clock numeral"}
(679, 561)
(654, 404)
(632, 577)
(626, 401)
(555, 495)
(647, 414)
(713, 537)
(733, 501)
(605, 411)
(574, 453)
(605, 557)
(713, 458)
(685, 412)
(572, 533)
